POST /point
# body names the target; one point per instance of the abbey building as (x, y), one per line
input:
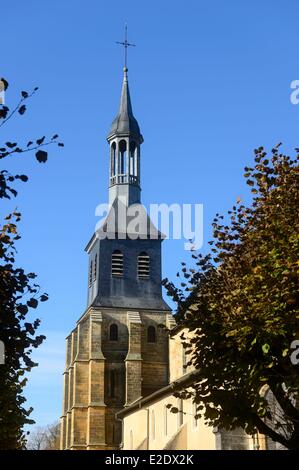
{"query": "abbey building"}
(122, 366)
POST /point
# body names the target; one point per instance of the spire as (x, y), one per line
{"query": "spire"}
(125, 123)
(124, 140)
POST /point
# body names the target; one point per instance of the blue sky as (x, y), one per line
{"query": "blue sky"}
(209, 80)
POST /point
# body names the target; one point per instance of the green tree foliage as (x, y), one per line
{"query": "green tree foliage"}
(241, 303)
(19, 293)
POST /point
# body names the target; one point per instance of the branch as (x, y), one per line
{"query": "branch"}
(18, 106)
(285, 403)
(19, 150)
(263, 428)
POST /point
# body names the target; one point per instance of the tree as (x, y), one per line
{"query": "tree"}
(44, 438)
(18, 294)
(241, 304)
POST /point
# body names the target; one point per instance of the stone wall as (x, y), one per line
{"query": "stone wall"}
(103, 375)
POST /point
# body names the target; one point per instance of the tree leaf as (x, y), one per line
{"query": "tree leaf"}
(43, 298)
(23, 178)
(23, 309)
(22, 109)
(40, 141)
(41, 156)
(33, 303)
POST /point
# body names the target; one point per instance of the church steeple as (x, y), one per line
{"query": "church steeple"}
(117, 351)
(125, 123)
(125, 139)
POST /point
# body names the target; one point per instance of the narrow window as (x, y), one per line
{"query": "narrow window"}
(90, 273)
(195, 421)
(117, 264)
(112, 384)
(180, 412)
(131, 440)
(95, 267)
(122, 161)
(132, 161)
(113, 332)
(165, 420)
(184, 360)
(113, 160)
(151, 334)
(143, 265)
(153, 426)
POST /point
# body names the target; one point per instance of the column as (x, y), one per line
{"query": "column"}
(133, 360)
(96, 405)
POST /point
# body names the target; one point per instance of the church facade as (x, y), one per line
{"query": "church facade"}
(118, 352)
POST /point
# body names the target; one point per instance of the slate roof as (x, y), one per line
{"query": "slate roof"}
(125, 123)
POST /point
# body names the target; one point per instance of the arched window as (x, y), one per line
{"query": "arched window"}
(133, 162)
(90, 273)
(153, 425)
(122, 169)
(113, 160)
(143, 265)
(112, 384)
(95, 267)
(117, 264)
(113, 332)
(151, 334)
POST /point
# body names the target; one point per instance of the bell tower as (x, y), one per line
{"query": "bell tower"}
(125, 139)
(117, 351)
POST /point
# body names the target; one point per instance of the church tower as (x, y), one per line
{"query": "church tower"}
(117, 352)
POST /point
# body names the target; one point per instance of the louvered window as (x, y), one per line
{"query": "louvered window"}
(95, 267)
(117, 264)
(90, 274)
(143, 267)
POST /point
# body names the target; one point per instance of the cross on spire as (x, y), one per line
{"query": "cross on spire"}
(126, 44)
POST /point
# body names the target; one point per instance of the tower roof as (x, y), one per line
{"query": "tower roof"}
(125, 123)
